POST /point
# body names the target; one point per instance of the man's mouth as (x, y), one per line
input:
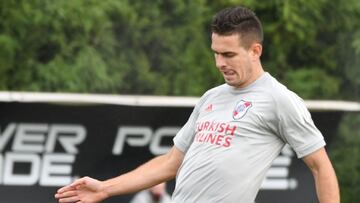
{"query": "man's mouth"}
(229, 73)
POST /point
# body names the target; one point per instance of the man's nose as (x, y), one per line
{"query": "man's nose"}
(220, 61)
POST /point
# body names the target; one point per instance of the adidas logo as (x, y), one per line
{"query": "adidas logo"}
(209, 108)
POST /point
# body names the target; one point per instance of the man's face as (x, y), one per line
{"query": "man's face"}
(232, 59)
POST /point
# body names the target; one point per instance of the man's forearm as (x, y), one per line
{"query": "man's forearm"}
(151, 173)
(327, 186)
(326, 183)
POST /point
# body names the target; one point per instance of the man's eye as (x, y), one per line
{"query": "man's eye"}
(229, 55)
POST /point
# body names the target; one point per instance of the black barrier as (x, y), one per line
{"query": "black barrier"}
(44, 146)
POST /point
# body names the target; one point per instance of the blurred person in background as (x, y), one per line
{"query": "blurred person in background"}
(233, 135)
(155, 194)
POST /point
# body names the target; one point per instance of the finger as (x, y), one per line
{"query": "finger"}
(72, 186)
(65, 189)
(65, 194)
(69, 199)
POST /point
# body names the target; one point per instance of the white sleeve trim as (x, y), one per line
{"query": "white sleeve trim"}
(310, 149)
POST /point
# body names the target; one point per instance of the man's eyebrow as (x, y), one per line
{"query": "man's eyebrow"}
(223, 53)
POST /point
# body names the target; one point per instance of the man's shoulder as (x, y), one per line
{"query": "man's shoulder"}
(277, 89)
(282, 96)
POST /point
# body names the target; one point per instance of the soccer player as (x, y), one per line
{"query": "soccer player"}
(234, 133)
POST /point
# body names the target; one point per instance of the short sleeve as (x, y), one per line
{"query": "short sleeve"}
(296, 126)
(185, 136)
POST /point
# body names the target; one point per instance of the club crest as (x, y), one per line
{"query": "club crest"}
(241, 108)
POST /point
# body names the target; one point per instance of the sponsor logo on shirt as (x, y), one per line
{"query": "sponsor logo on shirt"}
(215, 133)
(241, 108)
(209, 108)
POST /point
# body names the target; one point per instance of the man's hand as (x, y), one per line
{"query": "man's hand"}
(84, 190)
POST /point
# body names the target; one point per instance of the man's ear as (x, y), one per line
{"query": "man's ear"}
(255, 51)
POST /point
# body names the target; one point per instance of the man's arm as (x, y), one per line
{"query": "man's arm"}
(327, 188)
(153, 172)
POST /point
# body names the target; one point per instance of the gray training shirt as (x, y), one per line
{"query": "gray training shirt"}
(232, 137)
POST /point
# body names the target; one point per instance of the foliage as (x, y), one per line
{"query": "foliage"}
(162, 47)
(106, 46)
(346, 156)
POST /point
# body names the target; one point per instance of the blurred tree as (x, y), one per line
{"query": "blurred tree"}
(346, 25)
(162, 47)
(168, 52)
(7, 58)
(105, 46)
(58, 45)
(346, 158)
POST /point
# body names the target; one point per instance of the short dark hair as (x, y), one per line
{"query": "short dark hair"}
(238, 20)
